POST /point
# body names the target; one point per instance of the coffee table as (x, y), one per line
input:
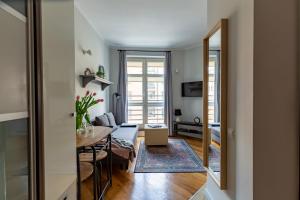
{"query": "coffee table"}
(156, 135)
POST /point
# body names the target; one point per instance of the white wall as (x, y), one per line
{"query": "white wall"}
(240, 96)
(193, 69)
(178, 77)
(87, 38)
(276, 100)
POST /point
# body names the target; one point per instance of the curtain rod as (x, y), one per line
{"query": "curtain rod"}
(143, 50)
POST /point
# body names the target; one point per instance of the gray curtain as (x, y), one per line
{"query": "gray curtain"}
(168, 94)
(217, 87)
(121, 104)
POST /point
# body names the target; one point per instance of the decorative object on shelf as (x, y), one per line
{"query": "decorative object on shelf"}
(101, 72)
(82, 105)
(178, 114)
(88, 72)
(87, 51)
(197, 120)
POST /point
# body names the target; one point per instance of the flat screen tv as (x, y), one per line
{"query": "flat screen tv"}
(191, 89)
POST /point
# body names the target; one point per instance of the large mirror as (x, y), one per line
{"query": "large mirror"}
(215, 102)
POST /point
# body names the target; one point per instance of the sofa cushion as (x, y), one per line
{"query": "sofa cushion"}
(128, 133)
(111, 119)
(102, 120)
(128, 125)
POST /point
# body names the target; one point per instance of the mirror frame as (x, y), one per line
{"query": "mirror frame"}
(223, 25)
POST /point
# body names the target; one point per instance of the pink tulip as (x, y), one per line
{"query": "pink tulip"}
(94, 94)
(77, 98)
(87, 93)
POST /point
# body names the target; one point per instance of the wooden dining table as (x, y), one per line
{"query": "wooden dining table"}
(91, 140)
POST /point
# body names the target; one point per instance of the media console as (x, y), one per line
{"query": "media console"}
(191, 129)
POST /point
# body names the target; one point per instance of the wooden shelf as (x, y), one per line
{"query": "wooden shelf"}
(85, 79)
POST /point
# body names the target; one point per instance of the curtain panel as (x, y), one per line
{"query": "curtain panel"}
(121, 105)
(168, 93)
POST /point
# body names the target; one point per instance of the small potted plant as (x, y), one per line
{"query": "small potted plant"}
(82, 105)
(101, 72)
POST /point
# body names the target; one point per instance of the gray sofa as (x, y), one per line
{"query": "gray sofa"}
(124, 132)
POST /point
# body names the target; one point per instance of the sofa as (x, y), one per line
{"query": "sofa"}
(124, 138)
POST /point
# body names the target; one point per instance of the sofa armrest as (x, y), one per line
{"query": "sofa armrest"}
(124, 125)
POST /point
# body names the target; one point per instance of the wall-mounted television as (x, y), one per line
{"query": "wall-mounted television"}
(191, 89)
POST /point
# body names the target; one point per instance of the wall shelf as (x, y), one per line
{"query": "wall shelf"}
(85, 79)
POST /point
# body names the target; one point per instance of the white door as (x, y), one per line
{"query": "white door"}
(58, 93)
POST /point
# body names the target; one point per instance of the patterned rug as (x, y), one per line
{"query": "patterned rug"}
(177, 156)
(214, 158)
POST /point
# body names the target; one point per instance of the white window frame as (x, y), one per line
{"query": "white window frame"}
(210, 102)
(144, 77)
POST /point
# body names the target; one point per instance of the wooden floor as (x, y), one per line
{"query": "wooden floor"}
(128, 185)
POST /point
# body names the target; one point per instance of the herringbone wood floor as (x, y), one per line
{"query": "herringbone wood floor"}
(152, 186)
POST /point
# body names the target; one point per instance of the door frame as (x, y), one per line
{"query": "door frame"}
(35, 91)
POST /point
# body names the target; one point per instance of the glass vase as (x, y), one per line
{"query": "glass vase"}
(79, 124)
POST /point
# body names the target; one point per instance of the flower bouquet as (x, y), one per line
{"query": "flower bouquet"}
(82, 105)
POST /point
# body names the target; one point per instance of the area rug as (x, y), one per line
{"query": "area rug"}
(176, 157)
(214, 158)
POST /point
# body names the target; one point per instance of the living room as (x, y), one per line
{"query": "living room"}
(145, 66)
(140, 99)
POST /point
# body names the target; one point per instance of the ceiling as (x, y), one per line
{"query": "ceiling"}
(147, 23)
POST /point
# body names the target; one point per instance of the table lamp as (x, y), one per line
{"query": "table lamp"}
(178, 114)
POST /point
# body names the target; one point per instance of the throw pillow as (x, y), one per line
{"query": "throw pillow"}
(111, 119)
(102, 120)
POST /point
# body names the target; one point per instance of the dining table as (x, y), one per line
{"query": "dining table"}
(96, 139)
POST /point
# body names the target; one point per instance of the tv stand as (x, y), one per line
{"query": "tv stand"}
(190, 129)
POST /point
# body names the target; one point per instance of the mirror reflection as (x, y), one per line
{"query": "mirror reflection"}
(214, 102)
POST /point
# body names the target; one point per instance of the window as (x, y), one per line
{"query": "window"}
(211, 87)
(146, 90)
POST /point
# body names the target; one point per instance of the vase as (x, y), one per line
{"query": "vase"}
(79, 119)
(89, 129)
